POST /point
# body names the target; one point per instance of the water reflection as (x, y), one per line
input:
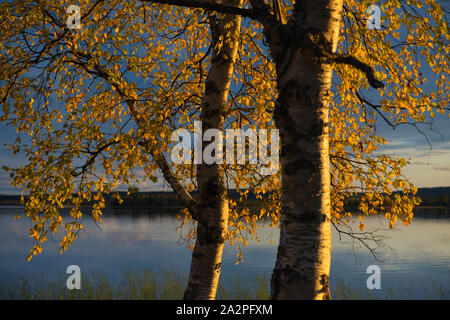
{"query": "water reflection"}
(135, 239)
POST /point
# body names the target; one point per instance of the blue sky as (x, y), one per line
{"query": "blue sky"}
(430, 159)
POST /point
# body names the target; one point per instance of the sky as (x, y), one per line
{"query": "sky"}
(428, 152)
(427, 149)
(429, 156)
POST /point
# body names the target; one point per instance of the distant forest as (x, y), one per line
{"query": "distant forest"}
(432, 197)
(439, 197)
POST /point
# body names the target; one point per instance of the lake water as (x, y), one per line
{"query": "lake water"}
(418, 259)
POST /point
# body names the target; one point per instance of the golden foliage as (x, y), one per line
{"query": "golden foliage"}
(66, 93)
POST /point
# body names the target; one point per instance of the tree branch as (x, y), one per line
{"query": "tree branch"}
(358, 64)
(376, 108)
(321, 49)
(178, 188)
(91, 159)
(189, 201)
(217, 7)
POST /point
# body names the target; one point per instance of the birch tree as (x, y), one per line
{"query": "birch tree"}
(97, 125)
(283, 58)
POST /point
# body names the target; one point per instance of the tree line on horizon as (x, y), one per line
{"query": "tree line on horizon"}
(429, 196)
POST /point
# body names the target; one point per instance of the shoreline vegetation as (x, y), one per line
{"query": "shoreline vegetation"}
(169, 284)
(435, 203)
(437, 197)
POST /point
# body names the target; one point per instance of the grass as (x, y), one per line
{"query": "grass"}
(147, 284)
(168, 284)
(414, 291)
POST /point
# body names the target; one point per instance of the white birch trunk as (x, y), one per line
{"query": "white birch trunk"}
(212, 210)
(304, 252)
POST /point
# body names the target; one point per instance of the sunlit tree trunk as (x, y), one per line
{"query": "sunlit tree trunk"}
(304, 252)
(212, 207)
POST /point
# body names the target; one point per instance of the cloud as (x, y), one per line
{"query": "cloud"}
(420, 163)
(443, 168)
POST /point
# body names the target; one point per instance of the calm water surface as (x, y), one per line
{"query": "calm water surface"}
(418, 257)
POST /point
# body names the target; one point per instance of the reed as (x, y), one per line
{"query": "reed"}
(169, 284)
